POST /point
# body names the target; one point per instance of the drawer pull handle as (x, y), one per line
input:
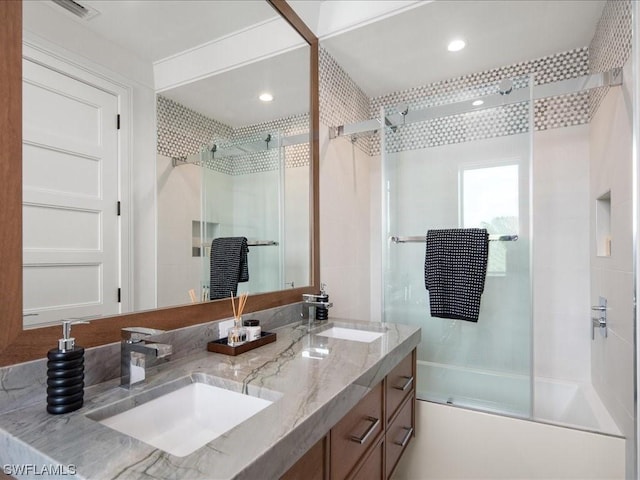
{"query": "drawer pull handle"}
(406, 437)
(406, 386)
(374, 424)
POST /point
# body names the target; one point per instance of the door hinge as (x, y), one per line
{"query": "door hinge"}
(119, 295)
(118, 208)
(118, 122)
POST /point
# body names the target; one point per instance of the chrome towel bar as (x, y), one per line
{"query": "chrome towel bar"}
(423, 239)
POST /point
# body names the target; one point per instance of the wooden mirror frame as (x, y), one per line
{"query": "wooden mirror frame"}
(18, 344)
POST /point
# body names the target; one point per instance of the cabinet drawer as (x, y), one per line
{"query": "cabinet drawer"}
(311, 466)
(372, 467)
(353, 436)
(400, 382)
(399, 433)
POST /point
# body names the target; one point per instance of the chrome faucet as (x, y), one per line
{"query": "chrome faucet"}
(136, 354)
(309, 305)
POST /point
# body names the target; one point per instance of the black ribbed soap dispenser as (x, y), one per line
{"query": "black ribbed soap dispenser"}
(322, 313)
(65, 374)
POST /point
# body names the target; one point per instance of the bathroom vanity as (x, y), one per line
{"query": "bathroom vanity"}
(338, 402)
(368, 441)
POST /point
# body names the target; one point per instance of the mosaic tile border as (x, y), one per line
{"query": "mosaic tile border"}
(342, 101)
(611, 45)
(183, 132)
(479, 125)
(548, 113)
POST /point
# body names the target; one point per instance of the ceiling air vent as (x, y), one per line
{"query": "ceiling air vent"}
(84, 12)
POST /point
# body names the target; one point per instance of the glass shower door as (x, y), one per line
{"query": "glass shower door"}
(460, 171)
(243, 185)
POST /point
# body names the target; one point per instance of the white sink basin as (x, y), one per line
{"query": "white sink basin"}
(352, 334)
(185, 419)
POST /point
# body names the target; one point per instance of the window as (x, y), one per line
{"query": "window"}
(489, 199)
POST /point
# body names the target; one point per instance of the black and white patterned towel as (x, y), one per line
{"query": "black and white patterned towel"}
(455, 269)
(229, 266)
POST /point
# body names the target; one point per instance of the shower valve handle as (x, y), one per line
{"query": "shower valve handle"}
(600, 321)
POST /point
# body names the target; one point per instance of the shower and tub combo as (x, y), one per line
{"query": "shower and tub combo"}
(465, 164)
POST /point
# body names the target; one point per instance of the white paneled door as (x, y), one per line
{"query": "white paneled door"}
(70, 197)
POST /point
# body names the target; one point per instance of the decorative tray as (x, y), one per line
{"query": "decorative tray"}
(220, 345)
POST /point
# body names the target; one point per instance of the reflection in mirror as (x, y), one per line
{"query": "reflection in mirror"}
(119, 216)
(242, 171)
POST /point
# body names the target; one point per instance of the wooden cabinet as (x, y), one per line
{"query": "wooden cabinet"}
(399, 384)
(312, 465)
(400, 393)
(353, 436)
(372, 468)
(398, 434)
(369, 440)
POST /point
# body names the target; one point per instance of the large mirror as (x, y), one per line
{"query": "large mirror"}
(226, 164)
(149, 55)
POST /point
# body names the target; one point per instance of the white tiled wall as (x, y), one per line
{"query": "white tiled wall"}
(344, 226)
(612, 277)
(375, 229)
(296, 228)
(561, 253)
(178, 205)
(144, 202)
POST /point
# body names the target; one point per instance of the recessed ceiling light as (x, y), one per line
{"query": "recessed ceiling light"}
(477, 103)
(266, 97)
(456, 45)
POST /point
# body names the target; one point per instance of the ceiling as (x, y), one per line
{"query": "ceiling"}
(286, 76)
(409, 49)
(389, 52)
(156, 29)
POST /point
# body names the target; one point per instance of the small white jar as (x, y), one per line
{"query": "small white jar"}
(254, 331)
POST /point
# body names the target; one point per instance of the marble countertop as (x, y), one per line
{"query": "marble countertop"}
(313, 379)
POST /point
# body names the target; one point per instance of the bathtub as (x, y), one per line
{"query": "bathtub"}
(556, 402)
(574, 405)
